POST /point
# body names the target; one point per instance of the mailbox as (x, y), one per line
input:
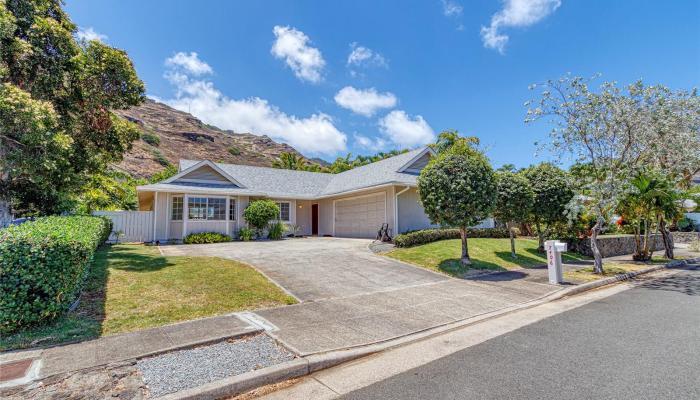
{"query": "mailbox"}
(554, 249)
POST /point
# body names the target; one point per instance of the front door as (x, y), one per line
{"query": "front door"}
(314, 219)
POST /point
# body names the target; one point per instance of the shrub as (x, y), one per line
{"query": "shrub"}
(276, 230)
(43, 265)
(150, 138)
(234, 151)
(259, 213)
(160, 158)
(686, 224)
(206, 237)
(424, 236)
(245, 234)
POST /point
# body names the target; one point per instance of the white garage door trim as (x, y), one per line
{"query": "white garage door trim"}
(383, 194)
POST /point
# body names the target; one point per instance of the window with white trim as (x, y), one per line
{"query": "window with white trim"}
(232, 209)
(206, 208)
(284, 210)
(176, 209)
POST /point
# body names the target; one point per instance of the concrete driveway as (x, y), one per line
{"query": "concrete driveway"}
(314, 269)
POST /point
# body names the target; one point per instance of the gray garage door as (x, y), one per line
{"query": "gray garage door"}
(360, 216)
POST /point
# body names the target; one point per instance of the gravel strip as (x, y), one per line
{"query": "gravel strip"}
(186, 369)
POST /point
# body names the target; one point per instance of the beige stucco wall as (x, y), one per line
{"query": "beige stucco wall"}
(303, 216)
(410, 212)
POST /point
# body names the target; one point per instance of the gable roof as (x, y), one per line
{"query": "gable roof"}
(284, 183)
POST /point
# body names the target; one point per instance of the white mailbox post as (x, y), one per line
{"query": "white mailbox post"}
(554, 249)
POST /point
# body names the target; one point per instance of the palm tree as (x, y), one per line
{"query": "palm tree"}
(289, 160)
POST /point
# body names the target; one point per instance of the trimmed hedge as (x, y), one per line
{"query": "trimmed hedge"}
(424, 236)
(43, 265)
(206, 237)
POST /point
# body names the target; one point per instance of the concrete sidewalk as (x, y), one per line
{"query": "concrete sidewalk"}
(110, 349)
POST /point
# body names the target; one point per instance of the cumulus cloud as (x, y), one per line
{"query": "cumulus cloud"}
(315, 134)
(451, 8)
(361, 56)
(405, 131)
(518, 14)
(373, 144)
(294, 48)
(189, 63)
(364, 101)
(89, 33)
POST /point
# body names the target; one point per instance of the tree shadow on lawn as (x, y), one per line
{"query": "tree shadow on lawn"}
(522, 260)
(455, 268)
(86, 320)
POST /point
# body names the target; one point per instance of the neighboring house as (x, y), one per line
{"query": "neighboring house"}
(210, 197)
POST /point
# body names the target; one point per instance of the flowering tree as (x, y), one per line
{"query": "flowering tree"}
(458, 188)
(615, 132)
(514, 201)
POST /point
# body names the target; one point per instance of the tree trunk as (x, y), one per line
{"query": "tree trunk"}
(667, 238)
(540, 237)
(465, 249)
(597, 258)
(5, 213)
(512, 241)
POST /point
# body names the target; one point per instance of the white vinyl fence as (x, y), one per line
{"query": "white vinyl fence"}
(135, 226)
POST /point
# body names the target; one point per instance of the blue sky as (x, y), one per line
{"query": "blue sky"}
(284, 68)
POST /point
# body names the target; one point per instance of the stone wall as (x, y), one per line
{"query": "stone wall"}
(614, 245)
(685, 237)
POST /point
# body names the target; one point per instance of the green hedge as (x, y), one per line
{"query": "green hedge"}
(206, 237)
(424, 236)
(43, 265)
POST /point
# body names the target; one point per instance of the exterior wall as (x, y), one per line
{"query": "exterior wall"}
(204, 173)
(411, 215)
(161, 216)
(304, 216)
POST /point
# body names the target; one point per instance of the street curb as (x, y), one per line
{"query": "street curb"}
(309, 364)
(241, 383)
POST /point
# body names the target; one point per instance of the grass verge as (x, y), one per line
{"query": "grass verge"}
(489, 254)
(132, 287)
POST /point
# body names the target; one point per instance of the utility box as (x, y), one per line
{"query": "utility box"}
(554, 249)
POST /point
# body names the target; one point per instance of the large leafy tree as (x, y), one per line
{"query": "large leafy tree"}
(458, 188)
(57, 97)
(616, 132)
(553, 192)
(514, 201)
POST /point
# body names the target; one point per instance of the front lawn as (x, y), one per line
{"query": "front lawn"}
(133, 287)
(491, 254)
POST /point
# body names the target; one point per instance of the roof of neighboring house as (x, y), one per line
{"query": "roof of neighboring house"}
(274, 182)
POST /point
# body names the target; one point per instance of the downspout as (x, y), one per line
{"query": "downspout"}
(396, 210)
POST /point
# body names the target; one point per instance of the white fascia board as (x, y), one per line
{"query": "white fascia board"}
(425, 150)
(199, 165)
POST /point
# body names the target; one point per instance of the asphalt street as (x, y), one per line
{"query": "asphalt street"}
(643, 343)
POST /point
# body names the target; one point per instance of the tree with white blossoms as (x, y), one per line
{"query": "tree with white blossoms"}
(617, 132)
(458, 188)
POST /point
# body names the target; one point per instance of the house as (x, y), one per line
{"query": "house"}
(210, 197)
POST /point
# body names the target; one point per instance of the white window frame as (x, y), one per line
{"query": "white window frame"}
(206, 208)
(182, 207)
(289, 204)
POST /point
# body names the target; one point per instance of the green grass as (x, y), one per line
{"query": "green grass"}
(132, 287)
(491, 254)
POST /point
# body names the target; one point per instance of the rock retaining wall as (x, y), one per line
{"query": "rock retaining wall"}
(614, 245)
(685, 237)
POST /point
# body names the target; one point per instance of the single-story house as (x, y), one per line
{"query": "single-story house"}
(210, 197)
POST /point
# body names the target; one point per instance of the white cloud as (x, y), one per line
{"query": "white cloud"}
(405, 131)
(361, 56)
(292, 46)
(451, 8)
(88, 34)
(364, 101)
(315, 134)
(373, 144)
(515, 13)
(190, 63)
